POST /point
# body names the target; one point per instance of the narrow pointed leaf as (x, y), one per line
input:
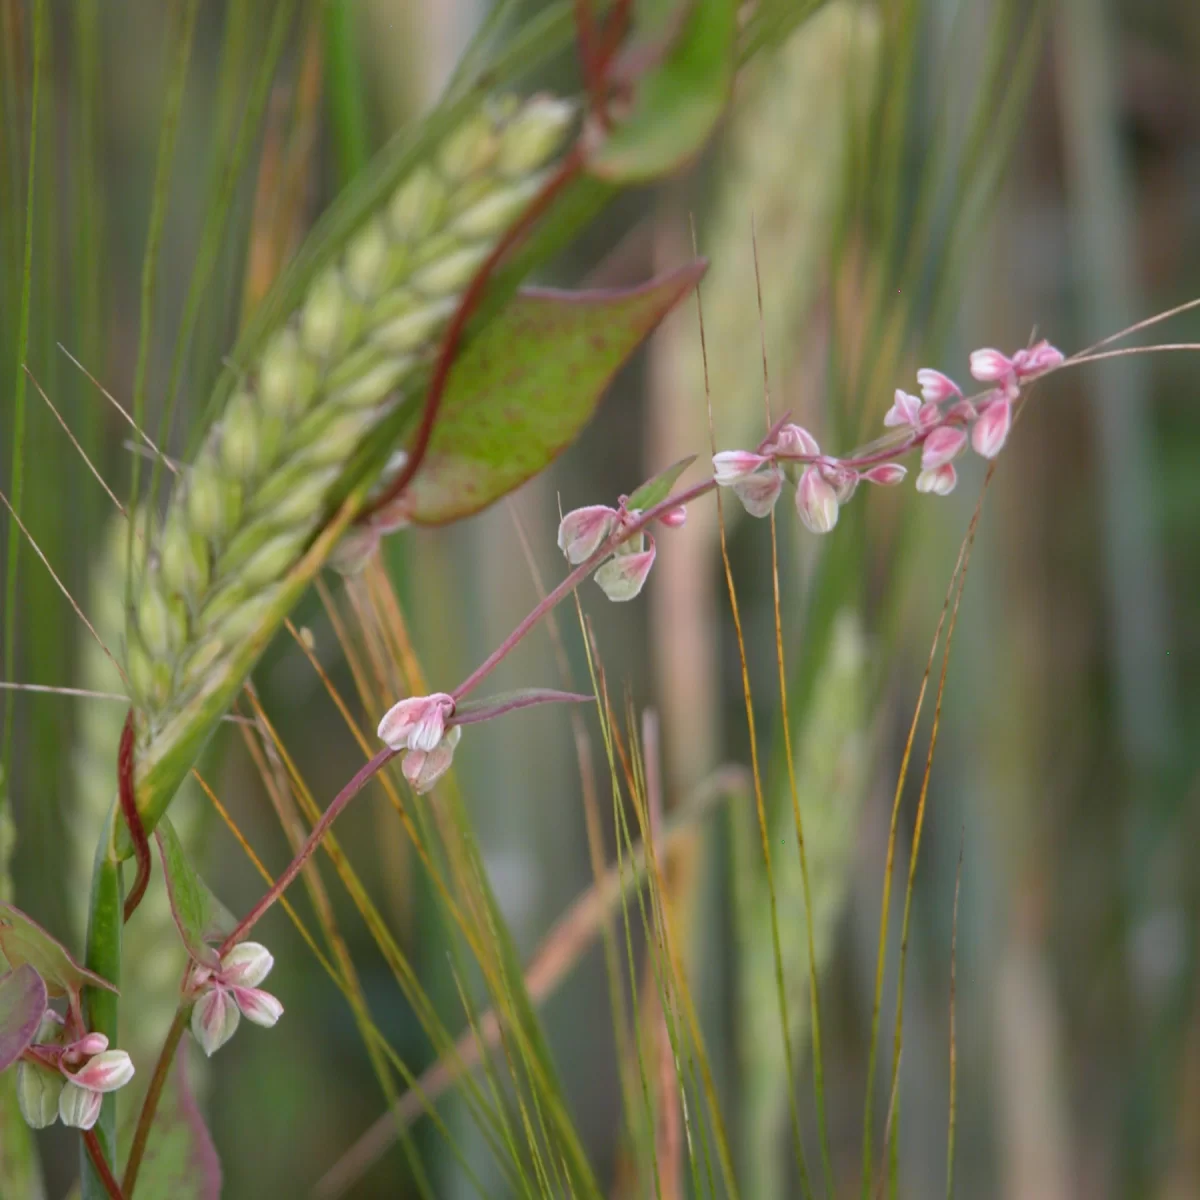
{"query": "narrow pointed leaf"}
(471, 712)
(23, 940)
(687, 49)
(199, 916)
(526, 386)
(180, 1161)
(655, 491)
(22, 1004)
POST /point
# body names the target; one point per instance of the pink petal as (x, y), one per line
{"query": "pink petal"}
(582, 531)
(1039, 358)
(988, 365)
(258, 1006)
(106, 1072)
(423, 769)
(79, 1107)
(944, 444)
(816, 502)
(935, 386)
(991, 429)
(759, 492)
(417, 723)
(843, 480)
(730, 466)
(673, 518)
(886, 474)
(622, 578)
(938, 482)
(904, 409)
(928, 417)
(961, 410)
(794, 441)
(246, 965)
(215, 1019)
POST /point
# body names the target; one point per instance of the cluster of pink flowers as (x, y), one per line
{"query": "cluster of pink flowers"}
(61, 1080)
(939, 422)
(226, 993)
(420, 726)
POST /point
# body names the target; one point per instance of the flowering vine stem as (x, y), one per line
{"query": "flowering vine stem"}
(101, 1164)
(158, 1081)
(129, 808)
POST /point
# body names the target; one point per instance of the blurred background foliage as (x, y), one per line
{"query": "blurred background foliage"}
(921, 178)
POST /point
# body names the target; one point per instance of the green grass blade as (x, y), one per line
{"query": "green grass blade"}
(343, 86)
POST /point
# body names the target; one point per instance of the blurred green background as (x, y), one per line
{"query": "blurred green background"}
(922, 178)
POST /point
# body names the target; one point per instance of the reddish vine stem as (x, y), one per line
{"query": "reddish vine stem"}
(96, 1154)
(158, 1081)
(129, 809)
(365, 774)
(567, 170)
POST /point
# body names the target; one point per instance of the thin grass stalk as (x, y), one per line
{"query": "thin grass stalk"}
(953, 1099)
(965, 556)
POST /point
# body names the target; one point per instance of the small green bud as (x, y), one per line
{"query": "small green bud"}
(534, 134)
(367, 259)
(294, 494)
(374, 385)
(198, 662)
(452, 272)
(214, 504)
(287, 380)
(239, 436)
(183, 558)
(417, 205)
(38, 1090)
(154, 622)
(470, 149)
(322, 316)
(492, 215)
(273, 561)
(414, 329)
(337, 440)
(149, 678)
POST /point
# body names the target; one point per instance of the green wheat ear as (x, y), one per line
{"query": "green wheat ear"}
(243, 514)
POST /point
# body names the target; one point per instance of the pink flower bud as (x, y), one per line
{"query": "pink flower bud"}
(905, 409)
(258, 1006)
(816, 502)
(794, 441)
(79, 1107)
(886, 474)
(673, 518)
(84, 1048)
(215, 1019)
(622, 578)
(732, 466)
(990, 366)
(759, 492)
(991, 429)
(938, 482)
(246, 965)
(928, 417)
(843, 480)
(935, 386)
(582, 531)
(105, 1073)
(417, 723)
(423, 768)
(1039, 358)
(943, 445)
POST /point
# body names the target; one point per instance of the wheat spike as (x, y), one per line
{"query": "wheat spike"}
(243, 513)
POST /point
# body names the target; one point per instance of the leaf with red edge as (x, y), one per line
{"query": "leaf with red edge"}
(199, 916)
(524, 388)
(23, 940)
(22, 1005)
(180, 1161)
(471, 712)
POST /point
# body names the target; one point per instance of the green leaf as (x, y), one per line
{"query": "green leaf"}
(22, 1006)
(524, 388)
(471, 712)
(23, 940)
(656, 490)
(199, 915)
(691, 47)
(180, 1161)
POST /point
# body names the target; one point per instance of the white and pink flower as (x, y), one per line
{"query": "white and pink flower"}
(229, 992)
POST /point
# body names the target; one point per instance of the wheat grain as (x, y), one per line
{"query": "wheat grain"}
(241, 516)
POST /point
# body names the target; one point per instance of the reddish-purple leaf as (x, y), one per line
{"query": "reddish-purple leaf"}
(524, 388)
(23, 940)
(471, 712)
(22, 1004)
